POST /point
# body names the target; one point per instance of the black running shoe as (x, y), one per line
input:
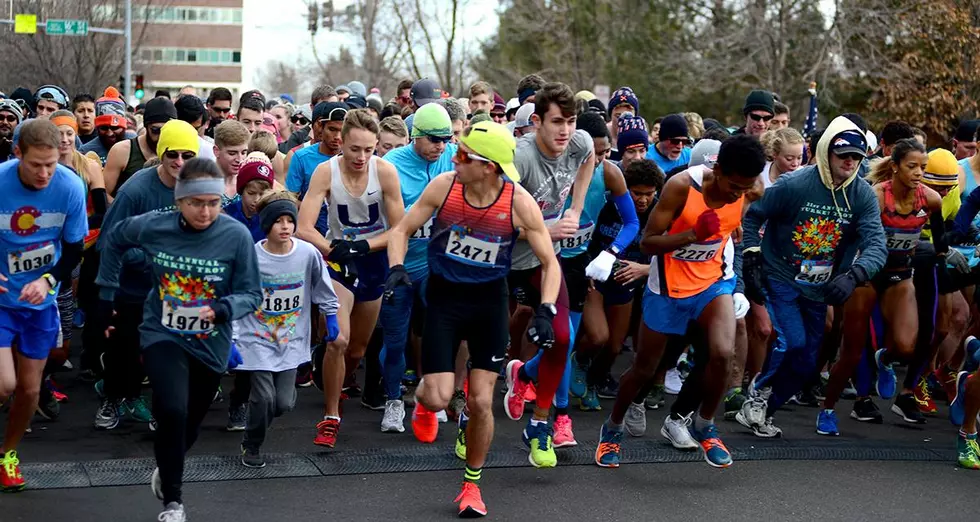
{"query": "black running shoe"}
(251, 458)
(374, 398)
(907, 408)
(866, 411)
(47, 404)
(317, 361)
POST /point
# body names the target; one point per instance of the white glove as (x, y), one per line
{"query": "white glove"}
(600, 267)
(741, 305)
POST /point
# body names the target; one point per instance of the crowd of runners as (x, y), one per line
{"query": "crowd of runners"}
(462, 247)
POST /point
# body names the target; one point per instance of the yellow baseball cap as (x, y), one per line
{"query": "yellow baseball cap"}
(494, 142)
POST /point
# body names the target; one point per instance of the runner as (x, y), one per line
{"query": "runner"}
(49, 98)
(965, 139)
(10, 118)
(673, 147)
(622, 101)
(357, 237)
(780, 118)
(394, 134)
(328, 123)
(429, 155)
(219, 107)
(688, 233)
(151, 190)
(110, 124)
(758, 111)
(83, 108)
(809, 250)
(207, 276)
(42, 243)
(191, 109)
(906, 204)
(229, 150)
(275, 340)
(549, 162)
(127, 157)
(469, 255)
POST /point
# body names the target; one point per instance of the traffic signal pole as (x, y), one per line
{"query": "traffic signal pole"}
(128, 63)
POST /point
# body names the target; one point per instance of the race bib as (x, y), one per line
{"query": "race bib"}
(582, 236)
(282, 299)
(424, 231)
(29, 259)
(814, 272)
(697, 252)
(901, 240)
(470, 249)
(184, 318)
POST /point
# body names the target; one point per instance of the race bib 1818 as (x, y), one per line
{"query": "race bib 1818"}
(281, 299)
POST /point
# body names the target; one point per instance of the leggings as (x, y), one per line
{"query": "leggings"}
(549, 367)
(123, 369)
(183, 388)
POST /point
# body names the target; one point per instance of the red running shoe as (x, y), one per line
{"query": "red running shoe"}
(471, 501)
(326, 432)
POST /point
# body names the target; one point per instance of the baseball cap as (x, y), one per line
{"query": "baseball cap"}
(849, 142)
(331, 111)
(705, 152)
(425, 91)
(432, 120)
(523, 117)
(494, 142)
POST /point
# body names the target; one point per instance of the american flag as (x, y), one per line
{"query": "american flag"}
(810, 126)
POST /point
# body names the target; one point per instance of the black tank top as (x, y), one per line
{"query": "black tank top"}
(135, 163)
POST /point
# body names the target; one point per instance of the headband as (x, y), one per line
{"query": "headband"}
(273, 211)
(199, 187)
(525, 94)
(65, 120)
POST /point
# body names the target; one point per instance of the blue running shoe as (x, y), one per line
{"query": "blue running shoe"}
(79, 320)
(715, 452)
(538, 437)
(886, 383)
(577, 387)
(957, 411)
(972, 360)
(827, 423)
(607, 454)
(590, 402)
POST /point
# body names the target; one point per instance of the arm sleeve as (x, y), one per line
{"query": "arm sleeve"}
(246, 282)
(323, 294)
(631, 224)
(100, 203)
(871, 240)
(968, 211)
(119, 240)
(737, 267)
(938, 227)
(71, 255)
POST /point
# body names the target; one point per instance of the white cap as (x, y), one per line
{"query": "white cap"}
(872, 141)
(512, 103)
(523, 116)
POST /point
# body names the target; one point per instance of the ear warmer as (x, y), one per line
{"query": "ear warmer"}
(273, 211)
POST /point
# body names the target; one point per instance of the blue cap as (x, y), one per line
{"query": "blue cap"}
(849, 142)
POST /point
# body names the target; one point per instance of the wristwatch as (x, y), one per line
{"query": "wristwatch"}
(52, 282)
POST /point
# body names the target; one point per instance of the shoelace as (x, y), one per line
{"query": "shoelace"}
(974, 447)
(608, 447)
(327, 428)
(543, 437)
(713, 442)
(10, 463)
(469, 489)
(170, 515)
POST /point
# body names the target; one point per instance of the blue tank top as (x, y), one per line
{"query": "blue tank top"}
(473, 245)
(595, 199)
(970, 186)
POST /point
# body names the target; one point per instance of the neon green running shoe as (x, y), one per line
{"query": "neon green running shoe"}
(538, 438)
(968, 451)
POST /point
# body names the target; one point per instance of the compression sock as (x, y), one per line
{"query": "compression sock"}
(472, 475)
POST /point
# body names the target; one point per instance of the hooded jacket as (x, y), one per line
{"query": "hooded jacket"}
(812, 227)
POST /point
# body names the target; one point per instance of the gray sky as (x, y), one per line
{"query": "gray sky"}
(281, 33)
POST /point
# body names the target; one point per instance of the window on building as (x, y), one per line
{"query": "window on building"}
(192, 55)
(236, 57)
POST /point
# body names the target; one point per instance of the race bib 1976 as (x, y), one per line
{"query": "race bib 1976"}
(184, 318)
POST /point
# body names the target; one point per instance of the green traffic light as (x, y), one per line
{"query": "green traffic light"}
(139, 94)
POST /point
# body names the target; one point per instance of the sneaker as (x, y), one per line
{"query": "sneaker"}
(460, 448)
(767, 430)
(326, 432)
(88, 375)
(172, 512)
(805, 398)
(374, 399)
(607, 453)
(968, 452)
(394, 418)
(924, 398)
(425, 425)
(715, 452)
(564, 437)
(47, 405)
(947, 382)
(530, 393)
(107, 417)
(673, 382)
(10, 476)
(217, 396)
(100, 388)
(471, 501)
(906, 408)
(865, 410)
(849, 393)
(538, 437)
(577, 386)
(753, 412)
(350, 386)
(957, 413)
(655, 399)
(678, 432)
(236, 418)
(887, 382)
(304, 376)
(514, 399)
(733, 403)
(251, 458)
(591, 400)
(156, 484)
(609, 389)
(410, 378)
(137, 410)
(819, 391)
(972, 348)
(456, 404)
(827, 423)
(636, 420)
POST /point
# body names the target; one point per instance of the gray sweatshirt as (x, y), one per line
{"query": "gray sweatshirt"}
(190, 269)
(277, 336)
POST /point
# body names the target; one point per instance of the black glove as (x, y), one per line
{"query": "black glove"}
(100, 317)
(343, 251)
(755, 277)
(541, 332)
(397, 275)
(222, 311)
(841, 287)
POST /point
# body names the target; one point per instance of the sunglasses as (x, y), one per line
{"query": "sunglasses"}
(299, 120)
(498, 115)
(679, 141)
(108, 128)
(851, 156)
(466, 157)
(759, 117)
(154, 130)
(173, 154)
(437, 139)
(221, 110)
(9, 118)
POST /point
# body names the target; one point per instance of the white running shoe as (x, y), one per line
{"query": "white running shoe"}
(156, 484)
(172, 512)
(394, 418)
(678, 433)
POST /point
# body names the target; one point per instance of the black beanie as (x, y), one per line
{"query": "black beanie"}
(159, 110)
(271, 213)
(673, 126)
(967, 131)
(759, 100)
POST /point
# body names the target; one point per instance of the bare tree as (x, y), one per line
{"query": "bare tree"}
(444, 50)
(281, 77)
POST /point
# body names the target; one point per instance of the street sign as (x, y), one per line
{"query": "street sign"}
(602, 93)
(25, 24)
(66, 27)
